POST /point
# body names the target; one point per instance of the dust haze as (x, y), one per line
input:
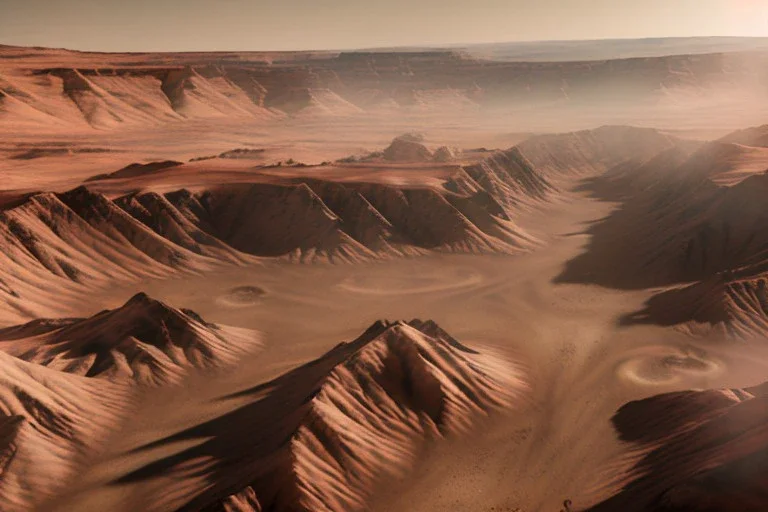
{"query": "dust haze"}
(524, 277)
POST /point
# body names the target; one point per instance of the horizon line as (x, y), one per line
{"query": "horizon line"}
(414, 46)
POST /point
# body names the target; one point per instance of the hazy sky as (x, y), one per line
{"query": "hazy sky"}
(138, 25)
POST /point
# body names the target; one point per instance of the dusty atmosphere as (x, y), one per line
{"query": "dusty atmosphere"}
(497, 278)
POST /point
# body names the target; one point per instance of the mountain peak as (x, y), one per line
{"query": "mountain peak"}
(144, 340)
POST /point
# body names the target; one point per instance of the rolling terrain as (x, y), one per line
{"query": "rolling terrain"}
(84, 239)
(329, 431)
(359, 413)
(189, 241)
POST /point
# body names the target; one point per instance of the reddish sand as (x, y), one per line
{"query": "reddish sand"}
(329, 431)
(291, 199)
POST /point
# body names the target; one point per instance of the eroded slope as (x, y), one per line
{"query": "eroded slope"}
(330, 430)
(701, 451)
(143, 341)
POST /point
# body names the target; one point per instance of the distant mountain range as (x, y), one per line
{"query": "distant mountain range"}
(601, 49)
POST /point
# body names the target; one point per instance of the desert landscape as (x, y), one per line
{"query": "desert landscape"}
(510, 278)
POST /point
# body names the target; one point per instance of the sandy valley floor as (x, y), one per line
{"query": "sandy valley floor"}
(196, 251)
(582, 366)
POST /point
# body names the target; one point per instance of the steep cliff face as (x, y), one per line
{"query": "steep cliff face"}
(593, 152)
(691, 217)
(701, 451)
(685, 221)
(113, 91)
(735, 303)
(708, 229)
